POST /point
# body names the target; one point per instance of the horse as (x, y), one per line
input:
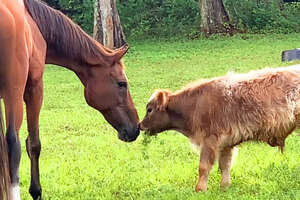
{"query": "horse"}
(33, 34)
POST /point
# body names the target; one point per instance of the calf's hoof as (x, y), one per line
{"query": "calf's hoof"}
(225, 184)
(201, 188)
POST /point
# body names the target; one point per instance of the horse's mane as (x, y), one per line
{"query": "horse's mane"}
(63, 36)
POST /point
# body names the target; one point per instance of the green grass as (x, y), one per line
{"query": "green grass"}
(83, 159)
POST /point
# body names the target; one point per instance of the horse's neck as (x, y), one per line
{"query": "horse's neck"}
(84, 59)
(53, 58)
(78, 68)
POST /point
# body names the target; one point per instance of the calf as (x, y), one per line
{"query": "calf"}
(220, 113)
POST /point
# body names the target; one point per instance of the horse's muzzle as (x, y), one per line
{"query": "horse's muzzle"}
(129, 135)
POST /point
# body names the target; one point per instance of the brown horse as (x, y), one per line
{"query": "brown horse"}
(32, 34)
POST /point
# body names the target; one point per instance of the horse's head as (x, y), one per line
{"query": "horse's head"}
(106, 89)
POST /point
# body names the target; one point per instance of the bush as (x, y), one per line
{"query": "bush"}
(158, 17)
(80, 11)
(148, 18)
(264, 16)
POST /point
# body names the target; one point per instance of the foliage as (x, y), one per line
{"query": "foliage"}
(53, 3)
(158, 17)
(80, 11)
(82, 158)
(138, 17)
(265, 15)
(177, 17)
(148, 18)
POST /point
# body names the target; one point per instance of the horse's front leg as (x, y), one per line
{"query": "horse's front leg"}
(33, 98)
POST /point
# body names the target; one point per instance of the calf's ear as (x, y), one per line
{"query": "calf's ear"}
(162, 99)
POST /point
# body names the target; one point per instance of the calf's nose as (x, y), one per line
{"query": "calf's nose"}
(141, 127)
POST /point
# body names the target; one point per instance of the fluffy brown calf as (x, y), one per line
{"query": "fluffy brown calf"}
(220, 113)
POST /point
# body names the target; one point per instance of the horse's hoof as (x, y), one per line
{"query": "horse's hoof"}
(37, 197)
(35, 193)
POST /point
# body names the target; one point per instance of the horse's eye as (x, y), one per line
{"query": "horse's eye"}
(122, 84)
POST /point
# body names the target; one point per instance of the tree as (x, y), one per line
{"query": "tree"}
(214, 17)
(107, 26)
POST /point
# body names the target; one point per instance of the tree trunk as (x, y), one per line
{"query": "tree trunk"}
(281, 5)
(214, 17)
(107, 26)
(119, 36)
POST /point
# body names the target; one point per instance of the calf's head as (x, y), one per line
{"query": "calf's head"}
(157, 118)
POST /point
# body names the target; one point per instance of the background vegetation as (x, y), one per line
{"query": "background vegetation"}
(82, 158)
(148, 18)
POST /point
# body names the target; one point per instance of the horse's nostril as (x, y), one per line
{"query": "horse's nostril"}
(129, 135)
(137, 131)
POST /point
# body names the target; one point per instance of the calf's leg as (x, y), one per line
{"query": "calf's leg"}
(225, 162)
(207, 159)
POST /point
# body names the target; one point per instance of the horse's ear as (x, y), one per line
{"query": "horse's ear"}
(162, 98)
(120, 52)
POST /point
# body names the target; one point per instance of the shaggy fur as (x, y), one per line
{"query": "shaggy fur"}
(262, 105)
(220, 113)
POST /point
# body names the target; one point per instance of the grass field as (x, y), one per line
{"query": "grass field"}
(83, 159)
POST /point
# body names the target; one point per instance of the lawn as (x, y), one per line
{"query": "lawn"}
(82, 157)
